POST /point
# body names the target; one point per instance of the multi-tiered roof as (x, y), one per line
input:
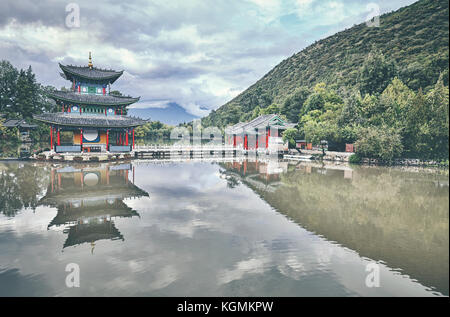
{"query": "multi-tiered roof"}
(88, 103)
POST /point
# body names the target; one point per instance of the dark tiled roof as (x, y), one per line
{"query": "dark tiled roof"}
(67, 214)
(89, 120)
(88, 233)
(95, 74)
(259, 122)
(91, 99)
(11, 123)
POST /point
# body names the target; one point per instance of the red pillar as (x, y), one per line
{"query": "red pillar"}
(246, 142)
(126, 137)
(59, 138)
(107, 140)
(81, 139)
(51, 138)
(267, 137)
(234, 140)
(257, 141)
(133, 143)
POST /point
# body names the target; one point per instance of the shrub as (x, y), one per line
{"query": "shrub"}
(381, 143)
(354, 158)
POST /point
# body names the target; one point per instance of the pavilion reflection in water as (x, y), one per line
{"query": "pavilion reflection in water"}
(88, 198)
(262, 174)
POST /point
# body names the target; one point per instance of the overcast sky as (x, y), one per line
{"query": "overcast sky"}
(198, 54)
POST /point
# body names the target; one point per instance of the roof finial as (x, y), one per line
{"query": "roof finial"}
(90, 61)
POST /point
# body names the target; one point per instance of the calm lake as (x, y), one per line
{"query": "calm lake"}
(223, 228)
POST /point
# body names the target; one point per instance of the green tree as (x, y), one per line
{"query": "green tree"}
(272, 109)
(438, 104)
(8, 87)
(382, 143)
(376, 73)
(293, 105)
(289, 135)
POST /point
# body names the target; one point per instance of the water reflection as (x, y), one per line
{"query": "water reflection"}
(88, 198)
(386, 214)
(232, 228)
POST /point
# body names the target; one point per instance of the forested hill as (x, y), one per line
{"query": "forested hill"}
(412, 42)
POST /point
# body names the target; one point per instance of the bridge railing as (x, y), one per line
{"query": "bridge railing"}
(182, 147)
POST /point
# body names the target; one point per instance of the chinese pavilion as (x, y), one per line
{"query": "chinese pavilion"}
(257, 133)
(97, 118)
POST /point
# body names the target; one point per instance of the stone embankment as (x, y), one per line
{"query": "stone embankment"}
(344, 157)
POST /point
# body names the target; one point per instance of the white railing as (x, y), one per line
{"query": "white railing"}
(184, 147)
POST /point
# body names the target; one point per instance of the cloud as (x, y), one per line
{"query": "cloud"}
(160, 104)
(193, 53)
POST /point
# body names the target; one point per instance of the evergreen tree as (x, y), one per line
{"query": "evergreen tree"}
(8, 87)
(376, 73)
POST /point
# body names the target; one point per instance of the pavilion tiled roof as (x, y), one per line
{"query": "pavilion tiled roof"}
(259, 122)
(88, 233)
(85, 72)
(67, 215)
(89, 120)
(92, 99)
(20, 123)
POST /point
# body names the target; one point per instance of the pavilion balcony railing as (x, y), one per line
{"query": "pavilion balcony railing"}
(119, 148)
(67, 148)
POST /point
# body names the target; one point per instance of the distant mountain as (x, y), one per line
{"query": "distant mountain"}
(173, 114)
(414, 38)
